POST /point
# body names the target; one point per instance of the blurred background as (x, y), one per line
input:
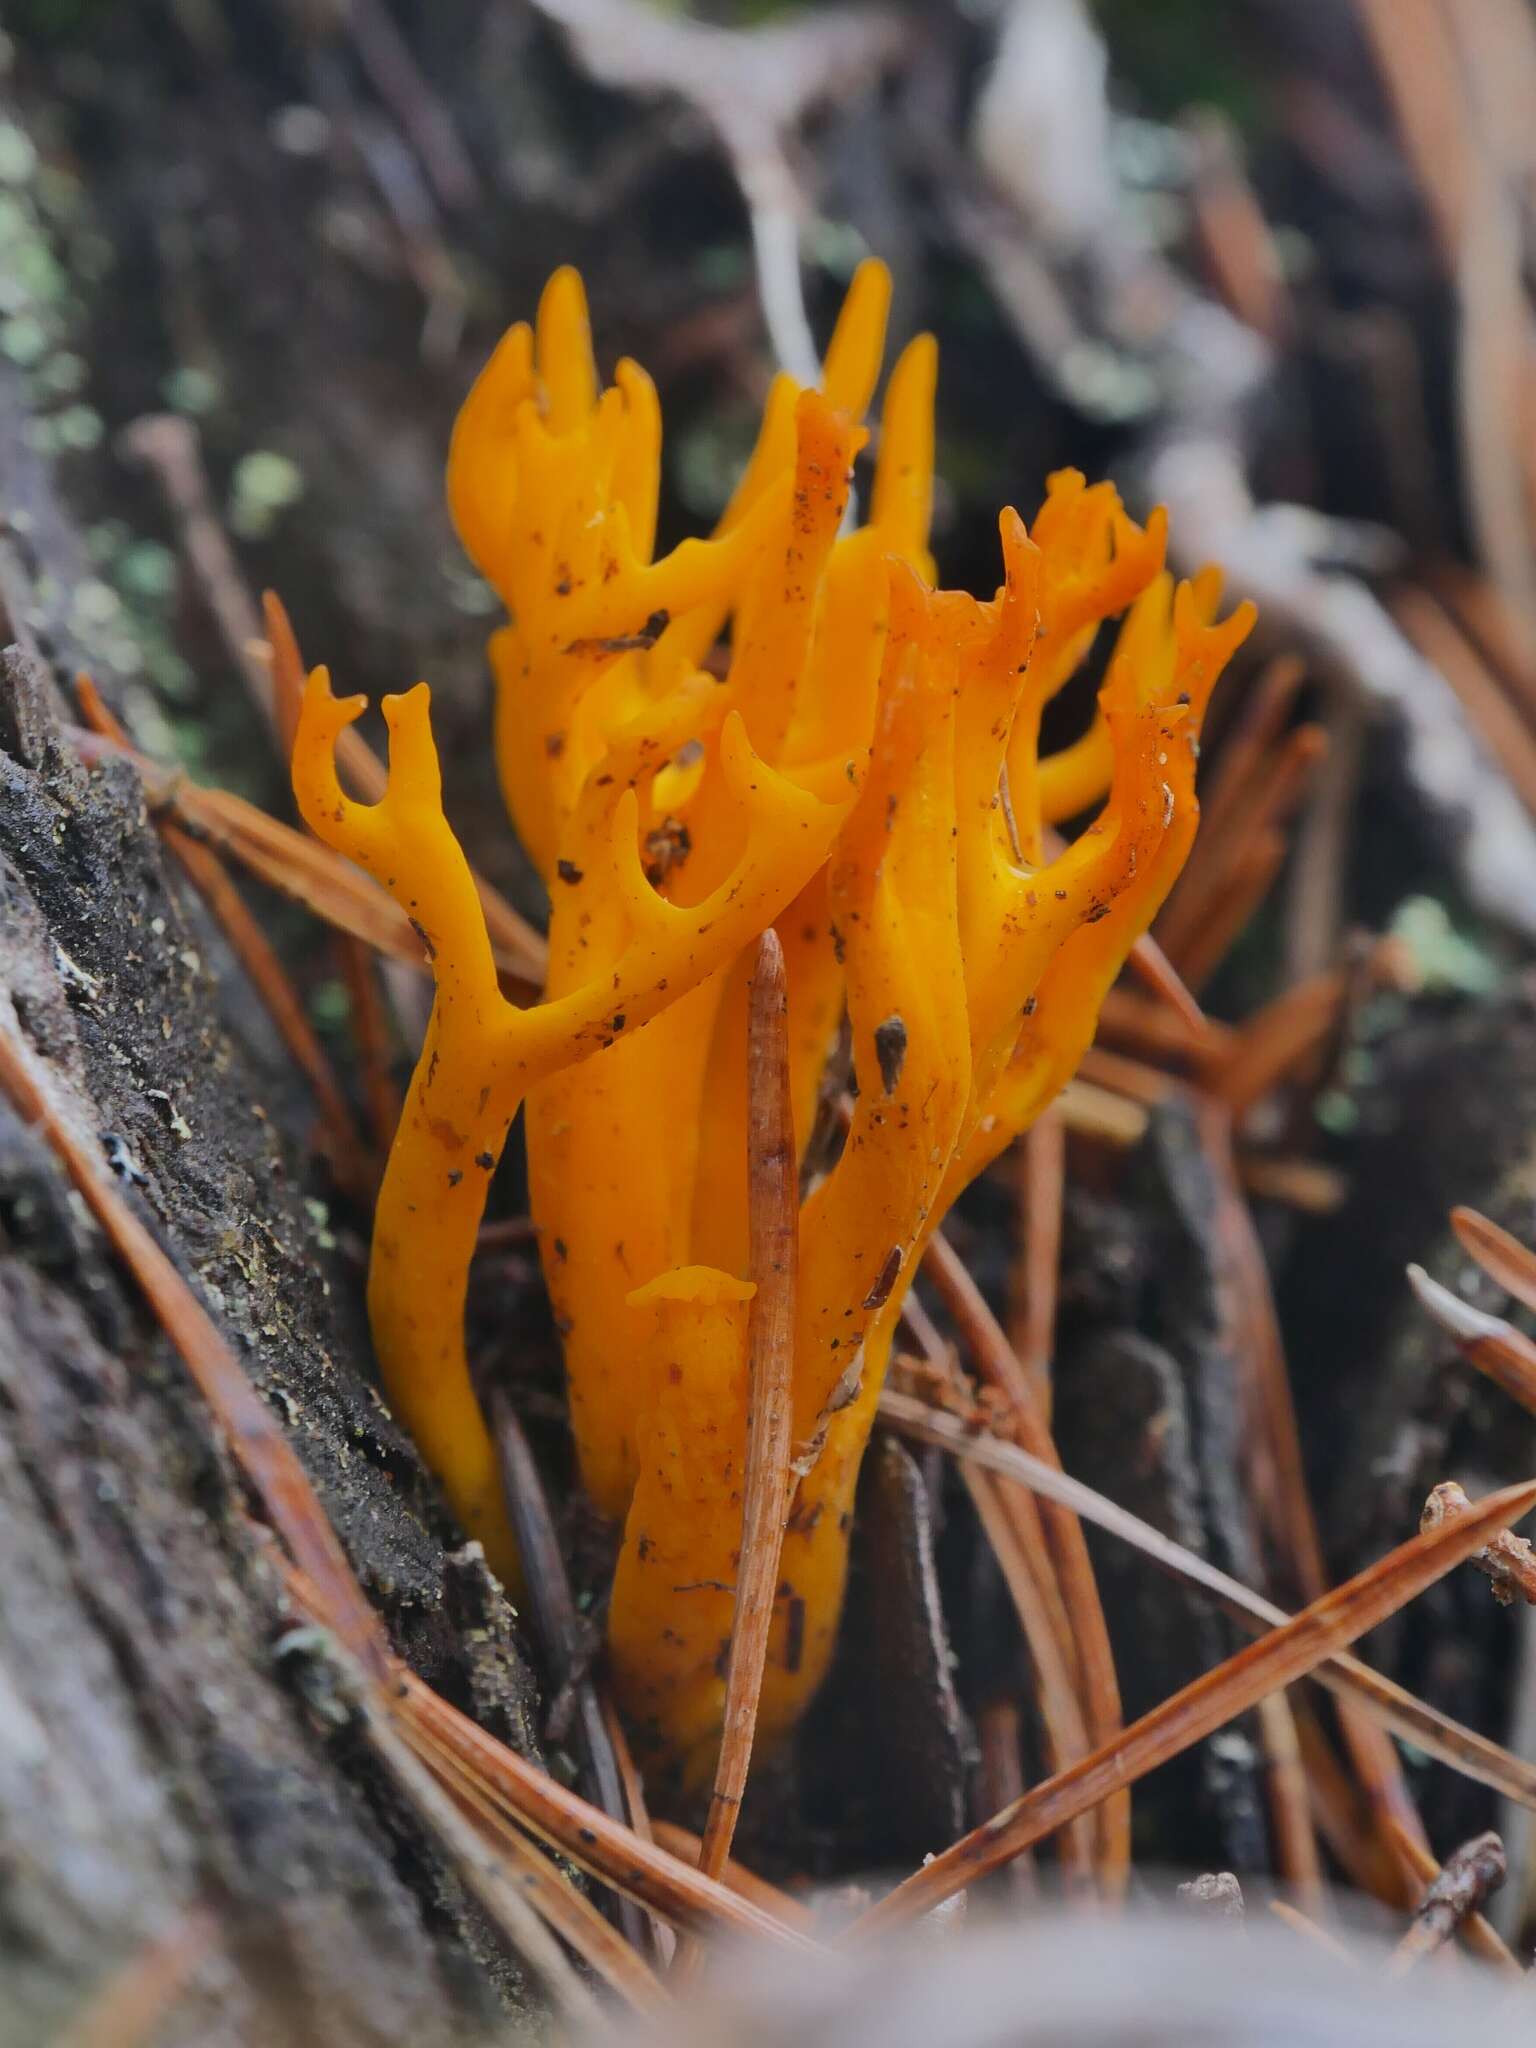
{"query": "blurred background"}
(1266, 261)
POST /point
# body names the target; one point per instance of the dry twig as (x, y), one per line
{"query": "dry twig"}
(754, 89)
(773, 1225)
(1509, 1562)
(1476, 1870)
(1478, 1934)
(1216, 1895)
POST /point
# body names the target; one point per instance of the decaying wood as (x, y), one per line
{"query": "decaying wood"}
(125, 1525)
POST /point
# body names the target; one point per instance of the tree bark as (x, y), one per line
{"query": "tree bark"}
(162, 1780)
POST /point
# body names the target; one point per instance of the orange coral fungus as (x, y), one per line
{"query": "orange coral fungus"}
(867, 778)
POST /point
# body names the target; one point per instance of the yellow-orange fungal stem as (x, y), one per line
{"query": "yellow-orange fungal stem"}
(676, 1577)
(867, 777)
(482, 1053)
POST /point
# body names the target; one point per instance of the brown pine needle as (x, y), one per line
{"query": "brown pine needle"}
(1102, 1116)
(135, 2001)
(1484, 698)
(1199, 1709)
(1018, 1545)
(1433, 1732)
(1233, 905)
(370, 1037)
(676, 1891)
(1502, 1257)
(1365, 1851)
(773, 1224)
(1246, 752)
(1278, 1040)
(1228, 829)
(1300, 1923)
(1302, 1184)
(1158, 975)
(1132, 1023)
(1500, 633)
(1040, 1163)
(981, 1332)
(1254, 1335)
(629, 1775)
(1239, 846)
(1000, 1779)
(288, 673)
(534, 1880)
(663, 1942)
(682, 1843)
(1010, 1518)
(521, 1900)
(1495, 1347)
(1297, 1857)
(1232, 235)
(538, 1804)
(364, 770)
(287, 860)
(1122, 1075)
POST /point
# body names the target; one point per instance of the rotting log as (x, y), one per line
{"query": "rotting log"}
(163, 1757)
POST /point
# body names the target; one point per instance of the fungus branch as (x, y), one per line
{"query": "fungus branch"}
(867, 777)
